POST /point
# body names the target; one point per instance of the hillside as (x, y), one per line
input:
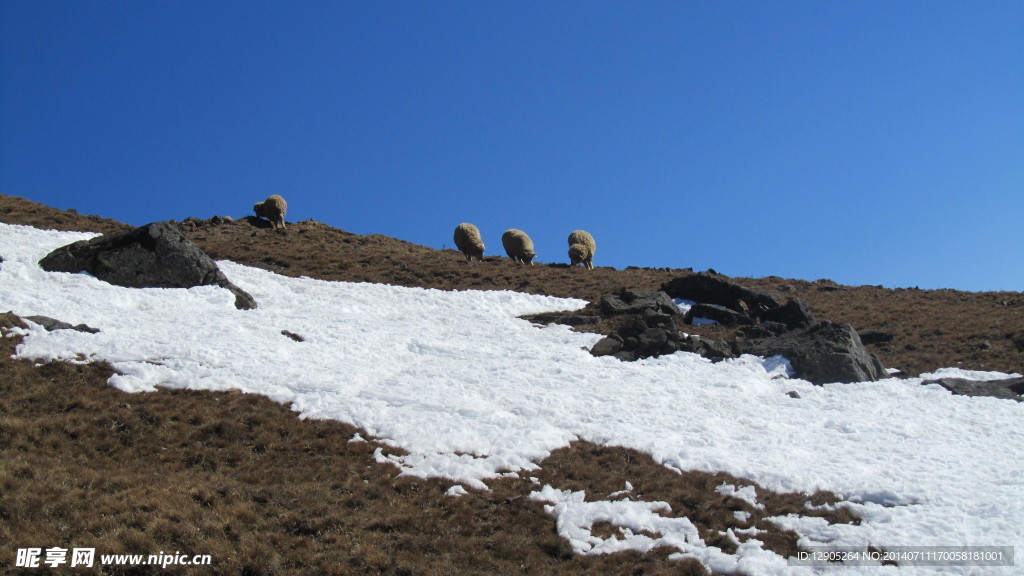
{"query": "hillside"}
(241, 478)
(931, 329)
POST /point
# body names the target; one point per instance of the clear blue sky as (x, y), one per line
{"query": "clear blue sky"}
(865, 142)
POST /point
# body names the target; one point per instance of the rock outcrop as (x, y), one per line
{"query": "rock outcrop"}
(156, 255)
(821, 353)
(1012, 388)
(707, 288)
(648, 325)
(51, 324)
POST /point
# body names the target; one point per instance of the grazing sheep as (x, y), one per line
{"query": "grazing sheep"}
(467, 239)
(518, 246)
(582, 248)
(273, 209)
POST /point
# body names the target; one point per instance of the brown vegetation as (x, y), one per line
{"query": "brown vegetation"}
(931, 328)
(263, 492)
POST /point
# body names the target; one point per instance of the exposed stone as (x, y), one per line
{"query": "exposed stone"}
(632, 327)
(607, 346)
(51, 324)
(794, 314)
(707, 288)
(566, 318)
(721, 314)
(714, 350)
(823, 353)
(627, 301)
(655, 319)
(1011, 388)
(763, 330)
(653, 342)
(156, 255)
(293, 336)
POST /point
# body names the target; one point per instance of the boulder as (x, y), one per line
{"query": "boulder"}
(762, 330)
(795, 314)
(632, 327)
(607, 346)
(653, 342)
(653, 318)
(628, 301)
(714, 350)
(1011, 388)
(566, 318)
(156, 255)
(822, 353)
(708, 288)
(721, 314)
(51, 324)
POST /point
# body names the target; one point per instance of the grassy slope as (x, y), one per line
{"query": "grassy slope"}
(242, 479)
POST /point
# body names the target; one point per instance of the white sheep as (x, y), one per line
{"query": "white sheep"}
(273, 209)
(467, 239)
(582, 248)
(518, 246)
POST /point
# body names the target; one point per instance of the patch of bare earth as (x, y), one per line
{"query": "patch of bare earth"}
(261, 491)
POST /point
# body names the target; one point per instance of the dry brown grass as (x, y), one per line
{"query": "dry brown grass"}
(932, 328)
(263, 492)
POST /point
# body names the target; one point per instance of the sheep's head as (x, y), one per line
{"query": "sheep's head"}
(578, 253)
(258, 208)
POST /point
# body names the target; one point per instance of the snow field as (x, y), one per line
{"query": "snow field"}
(471, 392)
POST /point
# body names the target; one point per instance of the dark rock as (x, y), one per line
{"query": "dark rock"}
(566, 318)
(625, 356)
(607, 346)
(293, 336)
(709, 289)
(721, 314)
(714, 350)
(823, 353)
(632, 327)
(627, 301)
(763, 330)
(794, 314)
(51, 324)
(156, 255)
(652, 342)
(655, 319)
(1010, 389)
(793, 394)
(875, 337)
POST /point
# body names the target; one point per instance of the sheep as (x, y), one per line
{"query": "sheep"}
(467, 239)
(518, 246)
(582, 249)
(273, 209)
